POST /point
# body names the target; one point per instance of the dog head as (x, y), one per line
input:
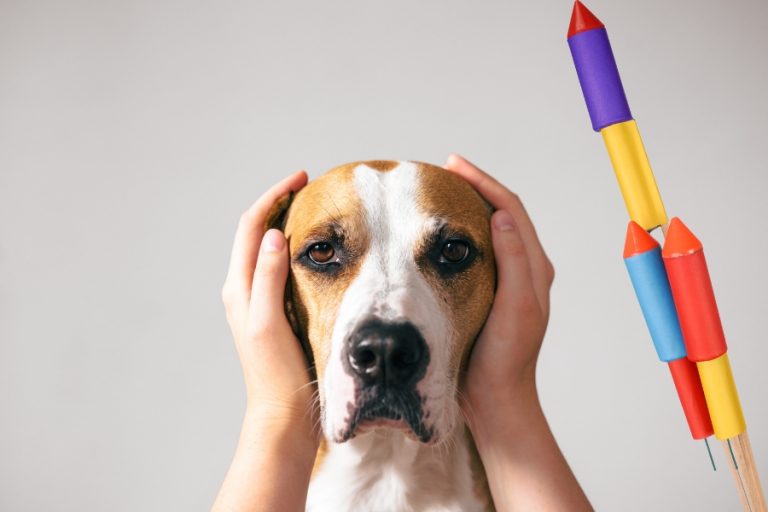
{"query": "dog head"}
(392, 277)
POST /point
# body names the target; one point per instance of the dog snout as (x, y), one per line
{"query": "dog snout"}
(389, 354)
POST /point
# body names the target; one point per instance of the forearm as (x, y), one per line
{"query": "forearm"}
(270, 470)
(524, 465)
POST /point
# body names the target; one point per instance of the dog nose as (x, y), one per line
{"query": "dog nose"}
(387, 353)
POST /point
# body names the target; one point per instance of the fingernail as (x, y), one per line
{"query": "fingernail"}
(456, 160)
(503, 221)
(273, 241)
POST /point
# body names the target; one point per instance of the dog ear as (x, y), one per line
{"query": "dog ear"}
(277, 215)
(489, 206)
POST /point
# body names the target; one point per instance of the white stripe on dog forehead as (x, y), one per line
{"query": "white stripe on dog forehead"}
(395, 220)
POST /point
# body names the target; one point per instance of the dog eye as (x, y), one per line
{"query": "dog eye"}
(321, 253)
(455, 251)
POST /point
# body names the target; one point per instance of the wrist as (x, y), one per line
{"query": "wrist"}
(277, 427)
(272, 465)
(516, 444)
(504, 415)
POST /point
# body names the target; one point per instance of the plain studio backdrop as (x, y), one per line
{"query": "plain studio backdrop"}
(134, 133)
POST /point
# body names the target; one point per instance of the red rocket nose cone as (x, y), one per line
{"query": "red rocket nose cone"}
(680, 241)
(582, 20)
(638, 240)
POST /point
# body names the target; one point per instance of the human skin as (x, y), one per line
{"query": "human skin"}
(525, 468)
(273, 460)
(274, 456)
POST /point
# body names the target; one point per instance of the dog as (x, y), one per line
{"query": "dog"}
(392, 278)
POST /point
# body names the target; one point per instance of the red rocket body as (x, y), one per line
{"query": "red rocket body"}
(688, 385)
(694, 297)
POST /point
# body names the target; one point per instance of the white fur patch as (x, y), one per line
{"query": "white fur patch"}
(389, 472)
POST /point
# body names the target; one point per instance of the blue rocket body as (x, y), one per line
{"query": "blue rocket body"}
(649, 278)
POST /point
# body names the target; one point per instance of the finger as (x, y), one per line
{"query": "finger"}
(269, 344)
(267, 307)
(237, 286)
(515, 290)
(501, 198)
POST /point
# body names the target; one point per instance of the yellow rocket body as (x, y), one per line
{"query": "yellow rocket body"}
(722, 397)
(634, 173)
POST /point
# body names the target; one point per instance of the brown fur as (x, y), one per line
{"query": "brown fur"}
(381, 165)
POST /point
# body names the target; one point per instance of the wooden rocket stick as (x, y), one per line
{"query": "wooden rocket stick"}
(694, 297)
(741, 460)
(742, 463)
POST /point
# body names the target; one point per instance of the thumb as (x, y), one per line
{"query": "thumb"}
(514, 291)
(267, 307)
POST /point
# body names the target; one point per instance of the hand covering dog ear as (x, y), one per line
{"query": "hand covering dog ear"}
(276, 218)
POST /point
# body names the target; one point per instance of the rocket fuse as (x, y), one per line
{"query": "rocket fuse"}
(642, 256)
(702, 330)
(609, 111)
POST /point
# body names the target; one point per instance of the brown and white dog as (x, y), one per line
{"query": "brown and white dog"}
(392, 277)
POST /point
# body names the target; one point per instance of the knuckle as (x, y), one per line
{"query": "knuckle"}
(271, 265)
(226, 294)
(246, 217)
(266, 267)
(550, 272)
(254, 330)
(514, 248)
(527, 305)
(259, 331)
(231, 295)
(254, 213)
(514, 199)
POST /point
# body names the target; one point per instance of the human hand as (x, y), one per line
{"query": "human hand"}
(502, 367)
(274, 366)
(273, 461)
(523, 464)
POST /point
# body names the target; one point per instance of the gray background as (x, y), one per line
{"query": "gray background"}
(132, 135)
